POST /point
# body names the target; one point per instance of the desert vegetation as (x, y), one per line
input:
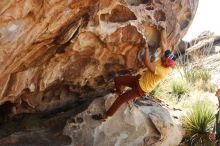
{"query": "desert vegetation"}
(198, 123)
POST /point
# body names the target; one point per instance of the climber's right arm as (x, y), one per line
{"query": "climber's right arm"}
(163, 40)
(147, 62)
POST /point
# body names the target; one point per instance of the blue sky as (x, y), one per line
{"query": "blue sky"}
(207, 18)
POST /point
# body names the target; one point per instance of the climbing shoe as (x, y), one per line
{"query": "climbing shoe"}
(98, 117)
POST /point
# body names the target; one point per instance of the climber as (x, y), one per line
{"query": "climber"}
(215, 134)
(140, 84)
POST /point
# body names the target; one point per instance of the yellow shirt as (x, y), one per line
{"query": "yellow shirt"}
(149, 80)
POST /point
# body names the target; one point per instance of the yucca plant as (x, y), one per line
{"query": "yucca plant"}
(198, 123)
(204, 74)
(190, 75)
(194, 75)
(180, 87)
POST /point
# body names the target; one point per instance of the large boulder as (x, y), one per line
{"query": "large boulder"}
(144, 123)
(55, 52)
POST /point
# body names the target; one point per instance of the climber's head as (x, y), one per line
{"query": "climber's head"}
(169, 59)
(218, 93)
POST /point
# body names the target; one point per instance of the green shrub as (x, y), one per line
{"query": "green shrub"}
(198, 123)
(194, 75)
(190, 76)
(180, 87)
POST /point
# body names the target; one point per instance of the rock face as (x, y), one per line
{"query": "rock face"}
(55, 52)
(145, 123)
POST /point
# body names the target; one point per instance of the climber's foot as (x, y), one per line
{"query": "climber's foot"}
(99, 117)
(112, 91)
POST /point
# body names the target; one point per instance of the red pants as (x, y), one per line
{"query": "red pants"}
(120, 83)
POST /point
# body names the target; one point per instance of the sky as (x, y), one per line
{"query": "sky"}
(207, 18)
